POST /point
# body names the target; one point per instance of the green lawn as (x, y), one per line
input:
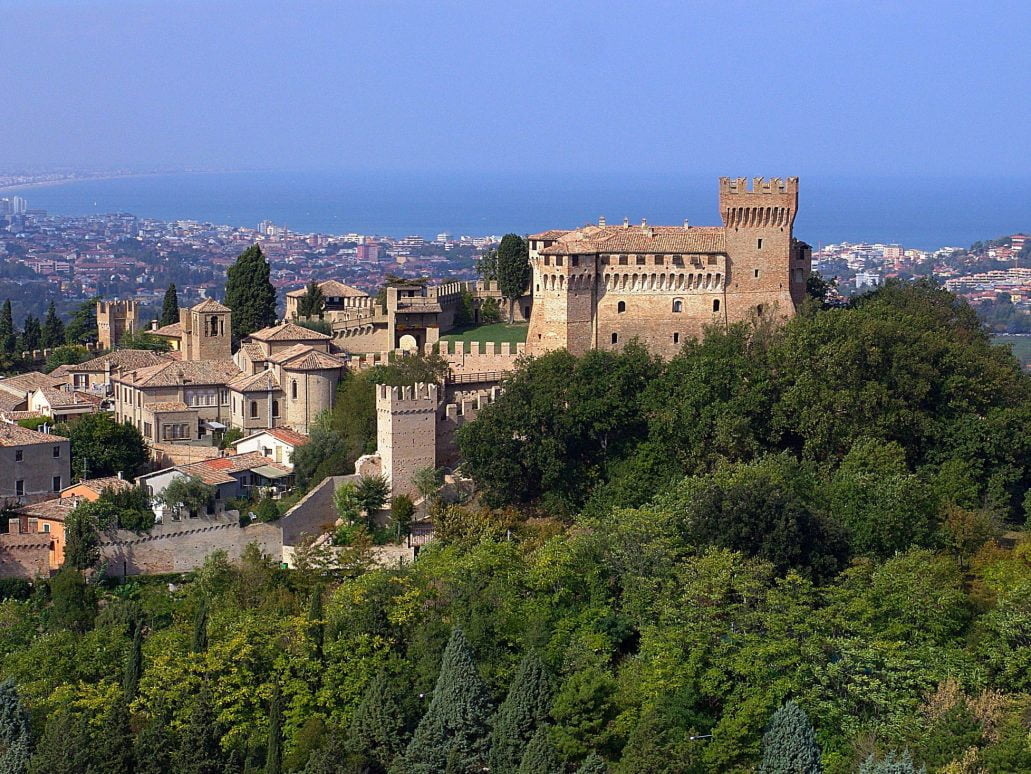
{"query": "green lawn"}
(1021, 346)
(500, 332)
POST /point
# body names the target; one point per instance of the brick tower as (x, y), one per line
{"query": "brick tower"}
(406, 430)
(207, 331)
(114, 320)
(563, 298)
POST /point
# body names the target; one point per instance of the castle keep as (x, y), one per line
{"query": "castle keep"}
(602, 286)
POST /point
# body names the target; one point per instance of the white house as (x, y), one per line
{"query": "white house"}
(277, 443)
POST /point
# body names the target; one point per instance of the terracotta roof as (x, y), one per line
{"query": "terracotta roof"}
(165, 406)
(640, 239)
(262, 381)
(554, 233)
(210, 305)
(288, 331)
(332, 289)
(253, 351)
(312, 360)
(124, 359)
(98, 485)
(62, 372)
(58, 399)
(10, 401)
(52, 510)
(25, 383)
(173, 372)
(175, 330)
(218, 470)
(284, 434)
(16, 435)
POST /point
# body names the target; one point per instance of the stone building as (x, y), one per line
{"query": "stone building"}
(33, 466)
(114, 320)
(602, 286)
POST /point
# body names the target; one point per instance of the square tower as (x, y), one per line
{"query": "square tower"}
(114, 320)
(207, 331)
(406, 433)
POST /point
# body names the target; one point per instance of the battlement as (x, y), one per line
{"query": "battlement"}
(467, 409)
(407, 397)
(775, 185)
(116, 307)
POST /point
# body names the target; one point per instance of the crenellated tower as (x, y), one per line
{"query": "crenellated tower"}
(406, 431)
(114, 320)
(563, 298)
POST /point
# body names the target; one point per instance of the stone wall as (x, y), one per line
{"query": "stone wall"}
(406, 428)
(314, 513)
(165, 455)
(25, 556)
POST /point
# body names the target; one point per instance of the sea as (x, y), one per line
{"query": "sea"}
(924, 213)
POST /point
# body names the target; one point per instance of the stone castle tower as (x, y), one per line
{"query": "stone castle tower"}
(207, 331)
(114, 320)
(603, 286)
(406, 431)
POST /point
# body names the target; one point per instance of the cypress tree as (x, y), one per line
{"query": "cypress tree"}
(170, 307)
(15, 737)
(200, 628)
(513, 269)
(892, 763)
(111, 751)
(153, 749)
(789, 744)
(312, 303)
(593, 764)
(32, 334)
(8, 336)
(540, 756)
(249, 293)
(378, 728)
(317, 625)
(134, 664)
(53, 329)
(64, 746)
(82, 328)
(524, 709)
(454, 732)
(274, 754)
(198, 751)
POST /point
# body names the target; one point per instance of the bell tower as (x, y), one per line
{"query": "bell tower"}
(207, 331)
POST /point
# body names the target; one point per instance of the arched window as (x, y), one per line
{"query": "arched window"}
(715, 305)
(759, 310)
(293, 389)
(620, 308)
(275, 408)
(678, 305)
(615, 338)
(254, 409)
(213, 321)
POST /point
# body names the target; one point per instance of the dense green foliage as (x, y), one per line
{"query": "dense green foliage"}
(249, 293)
(513, 268)
(103, 447)
(698, 572)
(169, 307)
(52, 334)
(313, 302)
(82, 328)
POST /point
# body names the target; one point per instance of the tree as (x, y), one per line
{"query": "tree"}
(112, 750)
(789, 744)
(892, 763)
(153, 747)
(131, 505)
(402, 511)
(64, 747)
(487, 265)
(52, 334)
(371, 492)
(134, 664)
(312, 303)
(274, 750)
(169, 307)
(186, 492)
(490, 312)
(267, 510)
(198, 751)
(540, 756)
(15, 736)
(103, 447)
(249, 293)
(82, 539)
(593, 764)
(345, 500)
(524, 710)
(378, 728)
(67, 354)
(31, 335)
(72, 605)
(317, 625)
(82, 328)
(8, 334)
(513, 269)
(143, 340)
(453, 734)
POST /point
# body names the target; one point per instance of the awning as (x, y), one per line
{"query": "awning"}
(213, 425)
(267, 471)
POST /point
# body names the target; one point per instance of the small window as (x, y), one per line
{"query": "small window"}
(615, 338)
(57, 451)
(46, 527)
(621, 307)
(293, 389)
(658, 260)
(759, 244)
(622, 260)
(759, 310)
(19, 487)
(715, 305)
(712, 260)
(19, 455)
(558, 260)
(641, 260)
(676, 338)
(254, 409)
(574, 260)
(678, 305)
(275, 408)
(547, 260)
(678, 260)
(57, 483)
(756, 271)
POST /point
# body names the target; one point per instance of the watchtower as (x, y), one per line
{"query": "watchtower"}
(406, 431)
(207, 331)
(114, 320)
(563, 299)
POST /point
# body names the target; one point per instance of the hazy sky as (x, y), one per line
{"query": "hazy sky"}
(868, 88)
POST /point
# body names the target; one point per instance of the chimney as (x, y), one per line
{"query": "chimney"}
(644, 222)
(119, 475)
(686, 224)
(601, 221)
(626, 222)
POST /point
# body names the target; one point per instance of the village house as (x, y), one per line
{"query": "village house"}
(33, 465)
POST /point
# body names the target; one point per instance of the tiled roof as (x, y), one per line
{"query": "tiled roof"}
(171, 373)
(312, 360)
(124, 359)
(10, 401)
(25, 383)
(218, 470)
(554, 233)
(52, 510)
(165, 406)
(175, 330)
(288, 331)
(58, 399)
(284, 434)
(259, 382)
(640, 239)
(16, 435)
(210, 305)
(98, 485)
(253, 351)
(331, 289)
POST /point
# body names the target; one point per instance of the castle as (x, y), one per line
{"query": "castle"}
(603, 286)
(114, 320)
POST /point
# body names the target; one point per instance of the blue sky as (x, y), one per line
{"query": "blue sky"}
(830, 88)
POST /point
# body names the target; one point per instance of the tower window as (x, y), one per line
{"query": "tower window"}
(275, 408)
(715, 305)
(254, 409)
(622, 260)
(293, 389)
(547, 260)
(759, 244)
(640, 260)
(620, 308)
(574, 260)
(678, 305)
(615, 338)
(676, 338)
(558, 260)
(756, 273)
(759, 310)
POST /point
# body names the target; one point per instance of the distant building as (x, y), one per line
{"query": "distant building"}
(115, 319)
(33, 465)
(867, 279)
(367, 252)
